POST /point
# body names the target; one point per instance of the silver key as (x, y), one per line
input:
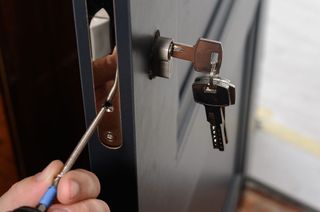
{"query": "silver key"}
(201, 54)
(215, 94)
(216, 119)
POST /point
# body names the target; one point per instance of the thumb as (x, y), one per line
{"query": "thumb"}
(104, 69)
(28, 191)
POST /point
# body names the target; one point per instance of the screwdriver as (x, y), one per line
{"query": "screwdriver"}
(47, 199)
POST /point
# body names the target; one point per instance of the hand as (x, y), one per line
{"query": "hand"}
(104, 68)
(104, 71)
(77, 191)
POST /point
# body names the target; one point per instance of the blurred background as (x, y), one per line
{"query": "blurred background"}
(284, 150)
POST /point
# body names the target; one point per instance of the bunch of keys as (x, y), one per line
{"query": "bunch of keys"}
(215, 94)
(210, 90)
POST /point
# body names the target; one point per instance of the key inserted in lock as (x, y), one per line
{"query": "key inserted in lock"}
(200, 55)
(209, 90)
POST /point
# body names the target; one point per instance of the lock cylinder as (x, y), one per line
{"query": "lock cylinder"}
(161, 55)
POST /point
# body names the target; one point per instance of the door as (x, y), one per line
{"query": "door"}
(167, 162)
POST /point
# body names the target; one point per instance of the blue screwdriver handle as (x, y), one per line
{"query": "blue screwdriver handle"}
(44, 202)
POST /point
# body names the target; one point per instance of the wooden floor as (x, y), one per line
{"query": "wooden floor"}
(256, 201)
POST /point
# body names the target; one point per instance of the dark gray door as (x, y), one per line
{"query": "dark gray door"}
(167, 162)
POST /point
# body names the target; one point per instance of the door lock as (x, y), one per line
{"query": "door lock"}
(210, 90)
(201, 55)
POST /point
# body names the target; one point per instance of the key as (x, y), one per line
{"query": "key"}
(200, 54)
(224, 125)
(216, 119)
(214, 91)
(215, 94)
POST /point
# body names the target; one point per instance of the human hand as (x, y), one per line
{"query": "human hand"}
(104, 71)
(77, 191)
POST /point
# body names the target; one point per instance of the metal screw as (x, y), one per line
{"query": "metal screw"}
(109, 136)
(110, 109)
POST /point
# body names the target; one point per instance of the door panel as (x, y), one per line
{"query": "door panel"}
(155, 112)
(170, 171)
(162, 172)
(218, 172)
(167, 162)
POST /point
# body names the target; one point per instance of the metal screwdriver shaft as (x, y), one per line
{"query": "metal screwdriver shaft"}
(82, 143)
(87, 135)
(49, 196)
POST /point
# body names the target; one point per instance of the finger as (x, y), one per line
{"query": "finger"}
(90, 205)
(28, 192)
(78, 185)
(104, 69)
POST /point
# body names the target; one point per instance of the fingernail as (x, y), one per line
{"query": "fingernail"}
(41, 176)
(49, 172)
(74, 189)
(58, 210)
